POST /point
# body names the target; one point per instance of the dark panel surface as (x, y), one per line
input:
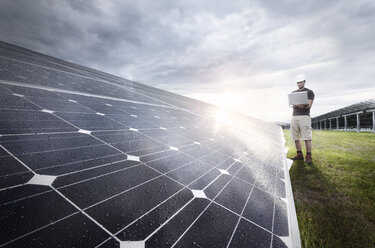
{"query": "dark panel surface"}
(190, 172)
(213, 229)
(93, 172)
(22, 192)
(170, 232)
(52, 142)
(91, 122)
(205, 180)
(46, 159)
(281, 219)
(22, 122)
(10, 165)
(118, 212)
(249, 235)
(214, 188)
(169, 163)
(74, 231)
(146, 225)
(22, 217)
(99, 188)
(259, 209)
(9, 101)
(94, 162)
(234, 195)
(15, 179)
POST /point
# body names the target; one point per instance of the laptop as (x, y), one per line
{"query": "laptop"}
(296, 98)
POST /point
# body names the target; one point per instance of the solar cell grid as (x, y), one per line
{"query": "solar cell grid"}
(82, 232)
(28, 215)
(24, 122)
(33, 92)
(90, 159)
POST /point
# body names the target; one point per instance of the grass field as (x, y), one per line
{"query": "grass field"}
(335, 195)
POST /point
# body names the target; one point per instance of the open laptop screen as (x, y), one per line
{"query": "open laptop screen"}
(298, 98)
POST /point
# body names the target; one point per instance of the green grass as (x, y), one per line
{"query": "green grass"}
(335, 195)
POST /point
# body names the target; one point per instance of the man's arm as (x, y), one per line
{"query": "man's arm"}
(307, 106)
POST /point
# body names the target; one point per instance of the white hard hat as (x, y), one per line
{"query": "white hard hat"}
(300, 78)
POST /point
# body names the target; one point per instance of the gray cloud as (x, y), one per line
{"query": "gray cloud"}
(193, 46)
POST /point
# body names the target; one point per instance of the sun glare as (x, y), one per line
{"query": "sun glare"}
(226, 102)
(220, 116)
(229, 100)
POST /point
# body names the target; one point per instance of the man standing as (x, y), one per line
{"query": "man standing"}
(301, 122)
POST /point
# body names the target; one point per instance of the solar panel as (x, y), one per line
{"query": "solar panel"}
(89, 159)
(354, 108)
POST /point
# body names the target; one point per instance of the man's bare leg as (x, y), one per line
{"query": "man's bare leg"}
(299, 156)
(298, 145)
(308, 146)
(308, 152)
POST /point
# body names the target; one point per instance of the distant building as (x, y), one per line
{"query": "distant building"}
(356, 117)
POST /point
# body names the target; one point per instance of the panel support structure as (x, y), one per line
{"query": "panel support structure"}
(346, 123)
(337, 123)
(358, 123)
(373, 119)
(330, 124)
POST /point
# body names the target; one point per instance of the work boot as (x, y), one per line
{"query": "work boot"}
(299, 156)
(308, 158)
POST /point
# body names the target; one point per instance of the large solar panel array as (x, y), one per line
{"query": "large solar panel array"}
(359, 117)
(92, 160)
(362, 107)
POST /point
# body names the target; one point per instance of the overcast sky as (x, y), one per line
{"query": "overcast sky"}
(242, 55)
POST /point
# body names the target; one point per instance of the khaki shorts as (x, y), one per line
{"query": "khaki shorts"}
(300, 126)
